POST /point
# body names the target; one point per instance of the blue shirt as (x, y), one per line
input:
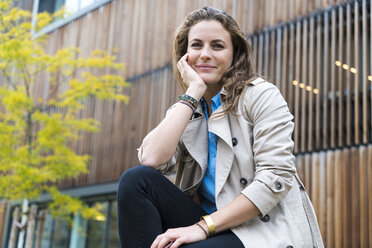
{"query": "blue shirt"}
(208, 184)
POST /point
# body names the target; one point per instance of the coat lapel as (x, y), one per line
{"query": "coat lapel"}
(195, 139)
(225, 155)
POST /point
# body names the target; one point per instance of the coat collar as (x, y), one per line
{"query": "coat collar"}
(195, 138)
(225, 155)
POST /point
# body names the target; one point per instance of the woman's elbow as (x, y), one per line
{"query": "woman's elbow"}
(150, 161)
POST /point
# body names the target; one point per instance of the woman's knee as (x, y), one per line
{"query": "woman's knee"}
(134, 177)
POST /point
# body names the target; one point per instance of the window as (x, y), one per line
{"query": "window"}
(74, 8)
(96, 228)
(50, 6)
(101, 232)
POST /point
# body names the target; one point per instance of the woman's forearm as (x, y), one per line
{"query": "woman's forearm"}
(240, 210)
(160, 144)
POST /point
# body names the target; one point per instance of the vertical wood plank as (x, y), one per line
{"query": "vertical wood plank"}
(311, 108)
(308, 172)
(340, 78)
(260, 54)
(364, 74)
(370, 79)
(297, 88)
(278, 56)
(266, 51)
(323, 193)
(319, 48)
(284, 62)
(324, 89)
(338, 206)
(356, 75)
(332, 80)
(355, 198)
(303, 88)
(255, 52)
(369, 165)
(272, 56)
(315, 186)
(347, 201)
(363, 185)
(330, 182)
(291, 66)
(349, 130)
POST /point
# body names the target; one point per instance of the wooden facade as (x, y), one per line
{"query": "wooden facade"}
(307, 48)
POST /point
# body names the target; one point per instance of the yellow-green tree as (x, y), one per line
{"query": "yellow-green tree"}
(35, 134)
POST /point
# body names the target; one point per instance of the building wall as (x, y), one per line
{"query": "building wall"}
(142, 32)
(296, 45)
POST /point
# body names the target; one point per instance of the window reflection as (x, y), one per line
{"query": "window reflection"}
(97, 227)
(85, 3)
(114, 239)
(101, 232)
(61, 235)
(47, 231)
(72, 6)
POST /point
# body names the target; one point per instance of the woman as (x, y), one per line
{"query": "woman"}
(230, 137)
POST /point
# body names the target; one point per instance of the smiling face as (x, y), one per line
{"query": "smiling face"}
(210, 51)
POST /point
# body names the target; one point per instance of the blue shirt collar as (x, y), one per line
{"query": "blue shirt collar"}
(216, 103)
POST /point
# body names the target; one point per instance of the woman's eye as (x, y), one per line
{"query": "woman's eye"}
(195, 45)
(219, 46)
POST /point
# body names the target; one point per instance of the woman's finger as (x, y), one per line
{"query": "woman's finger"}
(176, 243)
(155, 242)
(164, 242)
(181, 64)
(158, 240)
(169, 244)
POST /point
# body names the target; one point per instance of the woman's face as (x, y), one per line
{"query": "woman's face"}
(210, 50)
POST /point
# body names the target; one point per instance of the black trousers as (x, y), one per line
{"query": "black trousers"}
(149, 204)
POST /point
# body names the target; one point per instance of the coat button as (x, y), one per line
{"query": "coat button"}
(186, 152)
(243, 181)
(234, 141)
(278, 185)
(266, 218)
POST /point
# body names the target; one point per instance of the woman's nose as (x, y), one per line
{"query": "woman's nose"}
(205, 53)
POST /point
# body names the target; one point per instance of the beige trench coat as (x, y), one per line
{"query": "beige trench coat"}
(254, 158)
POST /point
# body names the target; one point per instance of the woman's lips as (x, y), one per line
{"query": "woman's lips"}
(205, 67)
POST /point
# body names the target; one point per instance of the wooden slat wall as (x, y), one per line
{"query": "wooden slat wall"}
(142, 32)
(296, 44)
(331, 102)
(337, 181)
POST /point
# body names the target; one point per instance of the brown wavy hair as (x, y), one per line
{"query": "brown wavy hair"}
(241, 71)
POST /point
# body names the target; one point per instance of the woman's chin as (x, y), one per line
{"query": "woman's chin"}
(210, 83)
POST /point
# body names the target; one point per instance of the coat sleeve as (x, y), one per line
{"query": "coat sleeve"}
(272, 146)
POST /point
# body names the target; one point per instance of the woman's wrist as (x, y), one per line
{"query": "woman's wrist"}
(196, 91)
(202, 228)
(210, 225)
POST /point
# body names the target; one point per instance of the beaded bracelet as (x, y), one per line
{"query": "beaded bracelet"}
(188, 104)
(189, 101)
